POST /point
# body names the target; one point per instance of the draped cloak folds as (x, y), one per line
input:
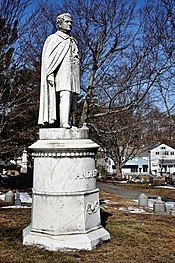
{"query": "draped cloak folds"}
(55, 49)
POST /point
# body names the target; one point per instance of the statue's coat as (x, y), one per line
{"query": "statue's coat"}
(57, 46)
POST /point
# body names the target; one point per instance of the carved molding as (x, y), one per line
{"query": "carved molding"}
(62, 154)
(52, 194)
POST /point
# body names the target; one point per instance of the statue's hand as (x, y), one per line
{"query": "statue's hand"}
(50, 79)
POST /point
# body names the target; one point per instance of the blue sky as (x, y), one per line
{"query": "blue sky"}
(34, 3)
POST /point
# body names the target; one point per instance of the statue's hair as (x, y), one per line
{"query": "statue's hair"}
(61, 17)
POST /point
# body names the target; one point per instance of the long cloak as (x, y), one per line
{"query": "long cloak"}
(55, 48)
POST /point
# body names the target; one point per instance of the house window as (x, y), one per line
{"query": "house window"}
(134, 169)
(172, 153)
(157, 153)
(163, 148)
(145, 168)
(166, 153)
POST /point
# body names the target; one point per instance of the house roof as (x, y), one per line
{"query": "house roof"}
(163, 145)
(153, 146)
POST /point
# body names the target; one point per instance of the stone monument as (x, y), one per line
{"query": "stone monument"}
(24, 162)
(143, 200)
(17, 198)
(65, 209)
(172, 211)
(159, 206)
(9, 197)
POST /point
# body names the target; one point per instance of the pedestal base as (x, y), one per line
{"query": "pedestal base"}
(86, 241)
(65, 206)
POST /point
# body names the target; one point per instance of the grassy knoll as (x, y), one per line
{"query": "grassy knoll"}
(143, 238)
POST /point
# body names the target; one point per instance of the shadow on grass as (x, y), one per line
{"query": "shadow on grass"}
(10, 232)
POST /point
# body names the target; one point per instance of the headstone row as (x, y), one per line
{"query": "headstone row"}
(13, 198)
(159, 206)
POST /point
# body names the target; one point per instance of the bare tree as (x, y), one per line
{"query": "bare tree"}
(123, 134)
(17, 84)
(161, 28)
(126, 63)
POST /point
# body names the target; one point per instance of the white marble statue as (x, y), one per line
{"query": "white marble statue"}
(59, 75)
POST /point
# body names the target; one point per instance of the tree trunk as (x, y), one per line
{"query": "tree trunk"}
(118, 170)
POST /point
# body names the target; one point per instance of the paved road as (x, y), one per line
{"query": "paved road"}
(119, 190)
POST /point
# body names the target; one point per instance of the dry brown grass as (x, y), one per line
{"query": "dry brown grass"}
(135, 238)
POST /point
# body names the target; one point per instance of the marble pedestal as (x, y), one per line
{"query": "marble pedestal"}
(65, 209)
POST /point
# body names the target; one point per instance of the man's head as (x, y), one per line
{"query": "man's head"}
(64, 21)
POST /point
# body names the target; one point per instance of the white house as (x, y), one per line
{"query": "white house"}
(137, 165)
(158, 161)
(162, 160)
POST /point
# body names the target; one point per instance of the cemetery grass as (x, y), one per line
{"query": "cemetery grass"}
(135, 238)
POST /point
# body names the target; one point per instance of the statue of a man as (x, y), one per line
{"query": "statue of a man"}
(60, 75)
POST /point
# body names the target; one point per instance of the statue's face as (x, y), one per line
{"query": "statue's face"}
(66, 24)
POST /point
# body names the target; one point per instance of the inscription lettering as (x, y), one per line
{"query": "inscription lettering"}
(87, 174)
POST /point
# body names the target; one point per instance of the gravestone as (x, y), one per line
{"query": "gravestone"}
(172, 211)
(168, 208)
(143, 200)
(9, 197)
(17, 198)
(159, 206)
(24, 162)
